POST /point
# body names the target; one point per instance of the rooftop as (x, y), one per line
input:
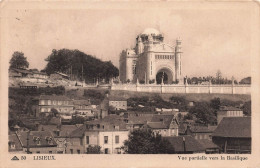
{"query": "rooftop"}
(109, 123)
(42, 137)
(191, 144)
(160, 121)
(237, 127)
(207, 144)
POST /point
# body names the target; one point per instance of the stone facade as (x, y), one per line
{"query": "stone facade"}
(152, 60)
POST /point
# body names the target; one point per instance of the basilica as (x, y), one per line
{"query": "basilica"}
(151, 60)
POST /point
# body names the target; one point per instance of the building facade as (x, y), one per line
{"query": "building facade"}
(151, 60)
(62, 104)
(117, 103)
(109, 134)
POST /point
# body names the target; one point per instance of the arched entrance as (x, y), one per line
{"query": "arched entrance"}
(164, 74)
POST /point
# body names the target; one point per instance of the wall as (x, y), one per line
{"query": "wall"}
(43, 150)
(111, 145)
(152, 88)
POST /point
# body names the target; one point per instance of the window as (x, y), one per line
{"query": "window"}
(71, 151)
(106, 151)
(117, 139)
(42, 102)
(81, 141)
(38, 152)
(78, 151)
(50, 152)
(87, 139)
(105, 139)
(151, 67)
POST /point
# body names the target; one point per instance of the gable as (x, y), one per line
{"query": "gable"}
(163, 48)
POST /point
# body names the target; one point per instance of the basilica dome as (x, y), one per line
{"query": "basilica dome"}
(152, 31)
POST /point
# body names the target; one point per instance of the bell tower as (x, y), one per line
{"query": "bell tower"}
(178, 65)
(140, 45)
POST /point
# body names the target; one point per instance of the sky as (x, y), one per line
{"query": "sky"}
(213, 37)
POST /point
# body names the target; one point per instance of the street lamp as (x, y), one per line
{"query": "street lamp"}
(27, 139)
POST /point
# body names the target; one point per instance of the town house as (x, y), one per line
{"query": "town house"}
(62, 104)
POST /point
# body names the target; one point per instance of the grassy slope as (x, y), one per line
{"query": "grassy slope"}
(191, 97)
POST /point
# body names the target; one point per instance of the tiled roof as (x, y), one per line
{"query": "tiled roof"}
(160, 121)
(81, 102)
(54, 97)
(22, 71)
(62, 74)
(191, 144)
(108, 122)
(139, 119)
(199, 129)
(33, 143)
(207, 144)
(116, 99)
(79, 132)
(65, 130)
(238, 127)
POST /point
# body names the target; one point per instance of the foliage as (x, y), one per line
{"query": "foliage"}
(155, 101)
(54, 112)
(204, 113)
(96, 96)
(226, 102)
(146, 142)
(247, 108)
(151, 81)
(246, 80)
(18, 60)
(73, 62)
(93, 150)
(180, 102)
(215, 103)
(77, 120)
(142, 82)
(188, 117)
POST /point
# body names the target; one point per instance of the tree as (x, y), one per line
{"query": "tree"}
(80, 66)
(144, 141)
(18, 60)
(218, 76)
(247, 108)
(245, 81)
(77, 120)
(204, 113)
(54, 111)
(215, 103)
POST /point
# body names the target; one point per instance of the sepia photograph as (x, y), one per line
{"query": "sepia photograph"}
(119, 78)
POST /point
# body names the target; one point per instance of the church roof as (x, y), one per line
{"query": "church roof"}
(148, 31)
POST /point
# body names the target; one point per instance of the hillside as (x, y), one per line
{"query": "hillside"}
(80, 66)
(190, 97)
